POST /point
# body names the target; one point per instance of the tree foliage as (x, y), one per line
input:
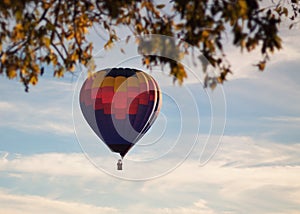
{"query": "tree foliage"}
(36, 33)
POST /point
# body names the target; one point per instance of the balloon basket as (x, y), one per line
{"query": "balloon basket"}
(119, 165)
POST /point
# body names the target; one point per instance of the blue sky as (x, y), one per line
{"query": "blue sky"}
(256, 168)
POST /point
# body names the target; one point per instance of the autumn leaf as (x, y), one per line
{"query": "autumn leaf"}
(3, 58)
(46, 41)
(205, 34)
(11, 71)
(147, 61)
(261, 65)
(56, 32)
(33, 80)
(160, 6)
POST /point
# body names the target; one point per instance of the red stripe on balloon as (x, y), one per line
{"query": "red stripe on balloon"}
(98, 104)
(107, 108)
(151, 96)
(134, 106)
(144, 98)
(107, 94)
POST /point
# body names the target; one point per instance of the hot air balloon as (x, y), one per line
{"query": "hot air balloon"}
(120, 105)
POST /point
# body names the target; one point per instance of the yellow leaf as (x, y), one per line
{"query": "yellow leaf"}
(59, 73)
(35, 68)
(74, 56)
(109, 44)
(143, 4)
(139, 27)
(85, 30)
(53, 59)
(179, 26)
(19, 15)
(160, 6)
(7, 2)
(72, 68)
(243, 8)
(11, 71)
(70, 36)
(46, 41)
(33, 80)
(243, 4)
(18, 33)
(220, 80)
(205, 34)
(285, 11)
(3, 58)
(19, 27)
(23, 71)
(261, 65)
(277, 42)
(147, 61)
(46, 5)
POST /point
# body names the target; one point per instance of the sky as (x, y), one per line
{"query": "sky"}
(232, 150)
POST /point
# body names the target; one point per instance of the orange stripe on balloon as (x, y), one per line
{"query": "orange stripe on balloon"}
(108, 81)
(132, 81)
(120, 84)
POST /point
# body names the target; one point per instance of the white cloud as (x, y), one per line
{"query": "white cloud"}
(199, 207)
(286, 119)
(6, 105)
(240, 167)
(244, 175)
(42, 109)
(54, 164)
(36, 117)
(246, 152)
(29, 204)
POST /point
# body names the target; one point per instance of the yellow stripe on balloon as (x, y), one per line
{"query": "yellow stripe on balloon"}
(108, 81)
(132, 82)
(120, 84)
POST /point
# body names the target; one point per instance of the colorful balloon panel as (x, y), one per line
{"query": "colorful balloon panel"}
(120, 105)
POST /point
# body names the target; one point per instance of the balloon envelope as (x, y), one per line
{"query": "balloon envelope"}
(120, 105)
